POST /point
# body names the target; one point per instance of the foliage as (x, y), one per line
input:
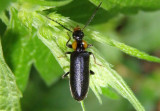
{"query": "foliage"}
(9, 93)
(32, 40)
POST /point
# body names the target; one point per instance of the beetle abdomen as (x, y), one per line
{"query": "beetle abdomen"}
(79, 74)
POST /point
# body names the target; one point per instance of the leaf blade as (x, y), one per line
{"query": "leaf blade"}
(135, 52)
(52, 36)
(123, 47)
(9, 93)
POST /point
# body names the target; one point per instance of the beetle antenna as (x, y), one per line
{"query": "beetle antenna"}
(59, 24)
(90, 19)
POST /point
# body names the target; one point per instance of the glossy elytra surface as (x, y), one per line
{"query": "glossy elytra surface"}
(79, 74)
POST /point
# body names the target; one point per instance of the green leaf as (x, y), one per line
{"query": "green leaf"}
(114, 7)
(25, 52)
(51, 35)
(54, 37)
(45, 63)
(17, 51)
(113, 79)
(4, 18)
(126, 49)
(4, 4)
(109, 93)
(142, 4)
(49, 3)
(18, 55)
(9, 93)
(134, 52)
(39, 5)
(22, 50)
(81, 10)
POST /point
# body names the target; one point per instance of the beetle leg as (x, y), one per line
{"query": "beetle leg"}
(68, 53)
(65, 75)
(90, 53)
(91, 72)
(65, 54)
(68, 45)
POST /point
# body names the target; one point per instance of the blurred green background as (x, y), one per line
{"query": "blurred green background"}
(140, 30)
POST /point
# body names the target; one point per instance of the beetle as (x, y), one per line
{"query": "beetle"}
(79, 66)
(79, 61)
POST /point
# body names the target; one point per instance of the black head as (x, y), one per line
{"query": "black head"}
(78, 34)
